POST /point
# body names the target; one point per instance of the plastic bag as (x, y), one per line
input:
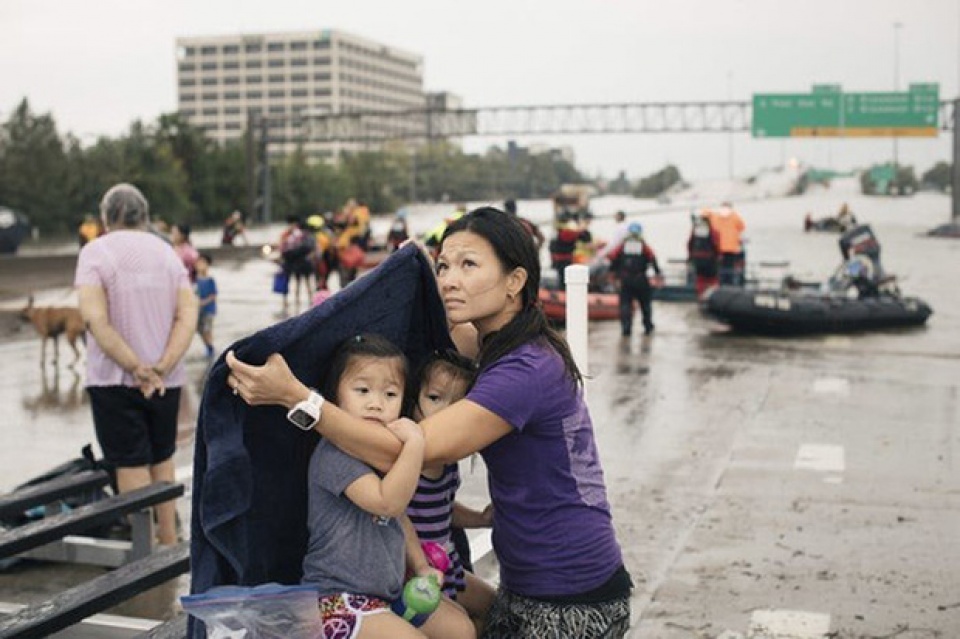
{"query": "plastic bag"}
(281, 282)
(267, 611)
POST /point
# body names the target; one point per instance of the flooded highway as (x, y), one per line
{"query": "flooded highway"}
(761, 487)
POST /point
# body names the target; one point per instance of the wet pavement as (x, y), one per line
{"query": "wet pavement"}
(761, 487)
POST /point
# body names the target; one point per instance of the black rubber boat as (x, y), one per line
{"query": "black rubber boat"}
(796, 313)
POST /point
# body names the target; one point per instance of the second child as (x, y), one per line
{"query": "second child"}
(443, 380)
(206, 288)
(356, 551)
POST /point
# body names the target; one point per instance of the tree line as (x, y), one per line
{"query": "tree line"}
(55, 179)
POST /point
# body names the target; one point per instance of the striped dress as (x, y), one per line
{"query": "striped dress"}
(431, 512)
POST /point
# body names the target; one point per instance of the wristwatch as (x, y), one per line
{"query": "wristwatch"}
(306, 414)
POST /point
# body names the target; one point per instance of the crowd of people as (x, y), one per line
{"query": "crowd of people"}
(716, 249)
(309, 251)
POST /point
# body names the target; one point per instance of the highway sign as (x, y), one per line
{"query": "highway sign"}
(828, 112)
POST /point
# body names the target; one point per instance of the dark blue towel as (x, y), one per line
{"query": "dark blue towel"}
(250, 463)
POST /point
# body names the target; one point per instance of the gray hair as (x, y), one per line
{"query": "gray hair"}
(124, 206)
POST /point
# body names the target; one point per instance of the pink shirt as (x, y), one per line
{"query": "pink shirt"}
(189, 256)
(141, 276)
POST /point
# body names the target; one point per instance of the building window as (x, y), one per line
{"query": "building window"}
(299, 93)
(231, 111)
(254, 64)
(231, 95)
(209, 96)
(275, 46)
(209, 82)
(232, 126)
(321, 76)
(189, 50)
(323, 60)
(298, 46)
(276, 78)
(277, 109)
(188, 113)
(321, 44)
(208, 51)
(298, 77)
(188, 97)
(321, 92)
(254, 79)
(252, 48)
(231, 49)
(188, 67)
(254, 95)
(231, 65)
(298, 62)
(208, 66)
(187, 82)
(232, 79)
(209, 112)
(275, 63)
(277, 94)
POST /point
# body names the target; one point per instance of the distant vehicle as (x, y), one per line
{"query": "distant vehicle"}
(14, 227)
(571, 202)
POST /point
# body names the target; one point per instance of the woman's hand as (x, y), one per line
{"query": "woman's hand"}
(150, 381)
(272, 383)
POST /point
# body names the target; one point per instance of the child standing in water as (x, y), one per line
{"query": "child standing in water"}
(443, 380)
(355, 555)
(206, 288)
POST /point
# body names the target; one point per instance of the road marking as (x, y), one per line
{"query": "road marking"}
(827, 458)
(788, 624)
(832, 386)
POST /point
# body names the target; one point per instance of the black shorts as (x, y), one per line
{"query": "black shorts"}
(132, 430)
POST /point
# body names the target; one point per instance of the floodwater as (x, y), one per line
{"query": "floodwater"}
(760, 487)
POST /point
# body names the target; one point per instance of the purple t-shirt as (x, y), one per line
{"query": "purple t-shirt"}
(552, 528)
(142, 277)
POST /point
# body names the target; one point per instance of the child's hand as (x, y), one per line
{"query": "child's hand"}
(406, 429)
(427, 571)
(487, 515)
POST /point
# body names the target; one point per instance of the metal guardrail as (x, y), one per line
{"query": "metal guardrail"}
(569, 119)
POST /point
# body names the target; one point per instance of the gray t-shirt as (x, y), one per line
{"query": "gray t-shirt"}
(349, 550)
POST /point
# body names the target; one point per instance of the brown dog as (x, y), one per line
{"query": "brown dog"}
(51, 322)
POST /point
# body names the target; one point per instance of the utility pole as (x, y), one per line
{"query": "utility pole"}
(896, 87)
(730, 128)
(251, 155)
(264, 170)
(955, 187)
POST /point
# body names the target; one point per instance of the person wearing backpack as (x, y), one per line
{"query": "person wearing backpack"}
(630, 261)
(296, 258)
(703, 251)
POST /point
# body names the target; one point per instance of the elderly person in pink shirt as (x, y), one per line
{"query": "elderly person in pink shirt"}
(138, 305)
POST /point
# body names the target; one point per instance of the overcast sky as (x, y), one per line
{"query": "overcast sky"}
(99, 64)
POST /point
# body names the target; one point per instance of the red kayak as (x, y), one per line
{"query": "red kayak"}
(600, 306)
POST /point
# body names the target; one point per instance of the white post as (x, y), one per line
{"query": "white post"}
(577, 276)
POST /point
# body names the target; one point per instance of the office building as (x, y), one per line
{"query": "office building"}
(282, 76)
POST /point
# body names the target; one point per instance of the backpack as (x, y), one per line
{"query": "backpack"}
(86, 461)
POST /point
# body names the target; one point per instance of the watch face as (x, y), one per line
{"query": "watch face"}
(302, 419)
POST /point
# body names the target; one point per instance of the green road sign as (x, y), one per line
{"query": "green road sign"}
(828, 112)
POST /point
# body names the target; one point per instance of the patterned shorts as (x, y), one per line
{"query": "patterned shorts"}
(342, 615)
(516, 617)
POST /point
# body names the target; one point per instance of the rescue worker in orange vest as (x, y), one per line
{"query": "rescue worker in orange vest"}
(729, 227)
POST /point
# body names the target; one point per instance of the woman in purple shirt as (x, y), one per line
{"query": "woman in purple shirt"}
(561, 569)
